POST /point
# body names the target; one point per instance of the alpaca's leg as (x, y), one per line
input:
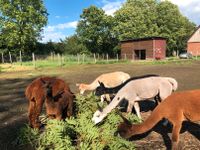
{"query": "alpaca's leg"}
(107, 97)
(102, 98)
(31, 113)
(38, 110)
(175, 135)
(130, 107)
(137, 109)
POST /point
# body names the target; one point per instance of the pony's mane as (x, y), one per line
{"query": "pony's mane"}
(117, 88)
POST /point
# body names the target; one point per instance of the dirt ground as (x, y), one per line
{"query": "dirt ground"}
(13, 105)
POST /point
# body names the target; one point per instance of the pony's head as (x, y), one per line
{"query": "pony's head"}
(98, 115)
(82, 87)
(100, 90)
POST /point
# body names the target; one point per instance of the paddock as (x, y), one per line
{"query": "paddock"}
(13, 105)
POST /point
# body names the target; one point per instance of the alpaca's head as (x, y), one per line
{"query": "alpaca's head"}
(98, 116)
(124, 130)
(48, 87)
(100, 90)
(82, 87)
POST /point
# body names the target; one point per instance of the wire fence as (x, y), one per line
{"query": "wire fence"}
(59, 59)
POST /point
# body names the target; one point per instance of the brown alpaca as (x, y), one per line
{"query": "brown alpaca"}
(59, 106)
(178, 107)
(36, 94)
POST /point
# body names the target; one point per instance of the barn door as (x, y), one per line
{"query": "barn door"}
(140, 54)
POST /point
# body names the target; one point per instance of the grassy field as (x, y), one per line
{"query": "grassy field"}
(13, 106)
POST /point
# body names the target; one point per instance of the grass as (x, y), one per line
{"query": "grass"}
(72, 60)
(79, 132)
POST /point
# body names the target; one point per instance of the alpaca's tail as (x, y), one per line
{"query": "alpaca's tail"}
(149, 123)
(174, 83)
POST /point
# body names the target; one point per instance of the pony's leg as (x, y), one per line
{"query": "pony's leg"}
(137, 109)
(175, 134)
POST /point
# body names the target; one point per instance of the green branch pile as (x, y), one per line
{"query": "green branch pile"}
(79, 132)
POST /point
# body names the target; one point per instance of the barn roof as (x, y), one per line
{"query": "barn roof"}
(144, 39)
(195, 37)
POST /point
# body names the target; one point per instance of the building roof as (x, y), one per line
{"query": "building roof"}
(144, 39)
(195, 37)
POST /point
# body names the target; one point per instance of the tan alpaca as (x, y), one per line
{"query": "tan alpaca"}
(178, 107)
(109, 79)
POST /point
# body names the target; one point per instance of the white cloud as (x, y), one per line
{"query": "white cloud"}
(111, 7)
(189, 8)
(62, 26)
(55, 33)
(57, 17)
(53, 36)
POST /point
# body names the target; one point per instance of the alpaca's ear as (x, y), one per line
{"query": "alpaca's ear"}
(99, 107)
(101, 84)
(58, 95)
(77, 84)
(44, 82)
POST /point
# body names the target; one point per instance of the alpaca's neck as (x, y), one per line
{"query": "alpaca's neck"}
(148, 124)
(90, 87)
(112, 105)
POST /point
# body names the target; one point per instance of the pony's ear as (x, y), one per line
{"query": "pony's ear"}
(124, 119)
(99, 107)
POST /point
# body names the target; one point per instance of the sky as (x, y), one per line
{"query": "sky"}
(65, 14)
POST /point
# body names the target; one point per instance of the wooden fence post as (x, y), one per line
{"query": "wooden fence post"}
(117, 57)
(78, 58)
(95, 58)
(33, 59)
(10, 58)
(83, 57)
(107, 57)
(59, 59)
(125, 56)
(2, 58)
(20, 57)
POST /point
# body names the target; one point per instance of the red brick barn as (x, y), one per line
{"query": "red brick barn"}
(144, 48)
(193, 44)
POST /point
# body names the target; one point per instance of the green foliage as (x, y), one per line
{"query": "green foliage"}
(22, 21)
(72, 45)
(95, 31)
(79, 132)
(146, 18)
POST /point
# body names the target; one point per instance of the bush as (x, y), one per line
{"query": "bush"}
(79, 132)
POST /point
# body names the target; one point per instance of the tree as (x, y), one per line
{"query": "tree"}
(95, 30)
(174, 26)
(146, 18)
(136, 19)
(72, 45)
(22, 22)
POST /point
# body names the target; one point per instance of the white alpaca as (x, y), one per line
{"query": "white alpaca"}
(109, 79)
(137, 90)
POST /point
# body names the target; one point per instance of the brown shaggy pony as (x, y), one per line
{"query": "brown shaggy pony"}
(177, 108)
(59, 99)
